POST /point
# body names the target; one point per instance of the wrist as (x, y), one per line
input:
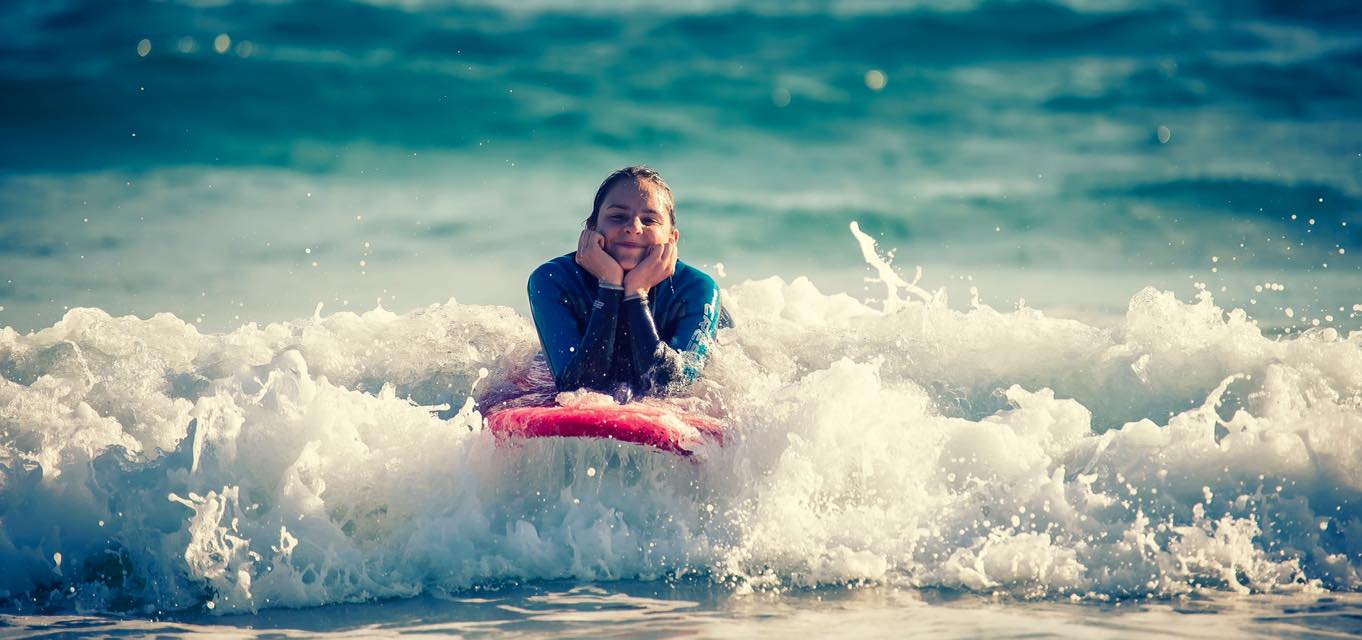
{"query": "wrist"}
(615, 279)
(632, 282)
(632, 286)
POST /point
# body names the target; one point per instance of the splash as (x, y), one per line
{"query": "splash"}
(145, 466)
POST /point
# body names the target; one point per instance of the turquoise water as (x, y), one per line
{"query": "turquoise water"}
(255, 258)
(1064, 153)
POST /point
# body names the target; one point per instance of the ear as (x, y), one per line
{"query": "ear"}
(590, 224)
(676, 235)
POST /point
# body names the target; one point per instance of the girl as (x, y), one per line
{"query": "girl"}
(622, 315)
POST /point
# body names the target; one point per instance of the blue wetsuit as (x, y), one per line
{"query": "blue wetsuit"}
(594, 338)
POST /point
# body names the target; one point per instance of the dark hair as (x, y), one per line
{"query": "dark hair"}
(637, 173)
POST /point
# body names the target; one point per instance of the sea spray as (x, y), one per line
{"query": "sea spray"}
(907, 444)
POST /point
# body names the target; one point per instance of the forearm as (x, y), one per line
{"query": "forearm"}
(658, 366)
(587, 363)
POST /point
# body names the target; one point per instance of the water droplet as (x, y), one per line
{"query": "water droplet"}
(875, 79)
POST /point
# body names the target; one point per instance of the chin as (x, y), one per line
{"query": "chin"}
(628, 261)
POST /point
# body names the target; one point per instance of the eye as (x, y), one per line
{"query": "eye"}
(650, 221)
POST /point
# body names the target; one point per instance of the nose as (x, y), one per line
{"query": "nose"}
(635, 225)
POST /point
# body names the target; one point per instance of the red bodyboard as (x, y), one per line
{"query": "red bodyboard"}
(644, 423)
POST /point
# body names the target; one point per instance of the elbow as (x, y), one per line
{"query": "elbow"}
(671, 374)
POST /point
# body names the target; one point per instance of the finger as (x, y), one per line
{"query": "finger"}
(671, 259)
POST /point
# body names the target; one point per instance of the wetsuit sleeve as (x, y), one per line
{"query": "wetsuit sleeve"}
(577, 357)
(671, 365)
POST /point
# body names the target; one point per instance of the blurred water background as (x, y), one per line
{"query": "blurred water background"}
(239, 161)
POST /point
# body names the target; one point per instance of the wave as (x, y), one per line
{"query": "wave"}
(604, 77)
(146, 466)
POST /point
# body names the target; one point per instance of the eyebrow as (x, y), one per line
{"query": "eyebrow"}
(616, 205)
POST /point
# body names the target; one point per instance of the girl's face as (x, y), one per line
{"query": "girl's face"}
(633, 217)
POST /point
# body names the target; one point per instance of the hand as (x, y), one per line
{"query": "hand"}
(592, 256)
(658, 265)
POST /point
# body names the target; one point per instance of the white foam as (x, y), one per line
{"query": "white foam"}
(906, 443)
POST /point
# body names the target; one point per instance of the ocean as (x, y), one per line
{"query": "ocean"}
(1048, 316)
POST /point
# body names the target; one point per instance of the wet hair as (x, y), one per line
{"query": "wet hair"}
(637, 173)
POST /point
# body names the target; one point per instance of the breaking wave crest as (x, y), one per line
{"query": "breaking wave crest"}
(146, 466)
